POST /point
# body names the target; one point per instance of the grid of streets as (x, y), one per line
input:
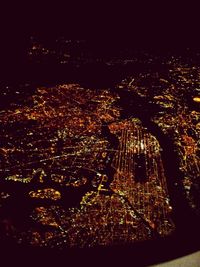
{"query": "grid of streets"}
(81, 174)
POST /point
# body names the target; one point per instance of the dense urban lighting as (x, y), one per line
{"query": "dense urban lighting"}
(88, 166)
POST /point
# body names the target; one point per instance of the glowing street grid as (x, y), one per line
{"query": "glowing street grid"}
(83, 176)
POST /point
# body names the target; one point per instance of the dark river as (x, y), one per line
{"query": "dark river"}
(186, 236)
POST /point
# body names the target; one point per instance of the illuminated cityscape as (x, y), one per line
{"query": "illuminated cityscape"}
(178, 118)
(84, 166)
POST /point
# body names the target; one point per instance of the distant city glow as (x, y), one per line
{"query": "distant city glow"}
(196, 99)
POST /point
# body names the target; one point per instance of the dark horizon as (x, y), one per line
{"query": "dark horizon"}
(148, 25)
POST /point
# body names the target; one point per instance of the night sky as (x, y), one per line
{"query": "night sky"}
(146, 24)
(155, 25)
